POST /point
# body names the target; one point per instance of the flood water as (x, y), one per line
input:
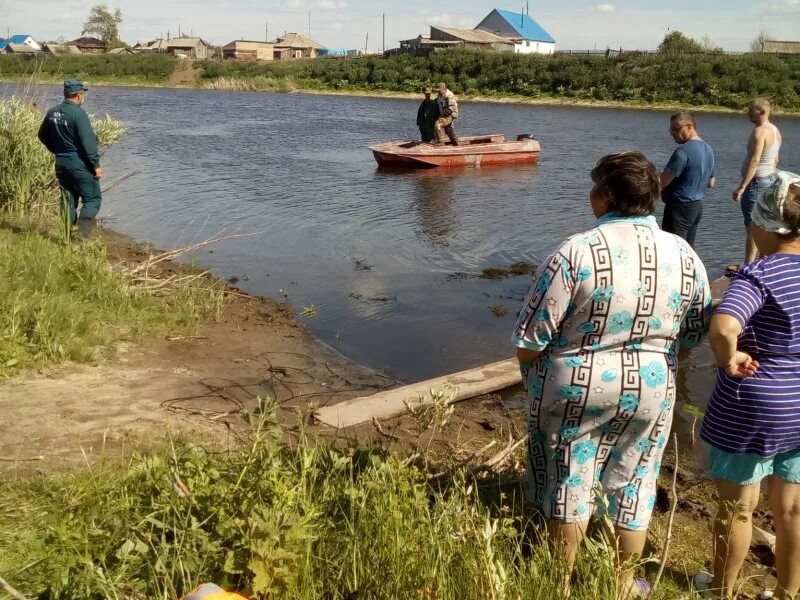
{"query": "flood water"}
(375, 252)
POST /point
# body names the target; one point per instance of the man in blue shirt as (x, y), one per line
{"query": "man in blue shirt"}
(687, 176)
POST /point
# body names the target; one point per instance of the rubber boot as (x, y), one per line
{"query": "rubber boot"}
(86, 228)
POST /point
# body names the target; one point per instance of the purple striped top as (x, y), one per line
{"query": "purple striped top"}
(761, 414)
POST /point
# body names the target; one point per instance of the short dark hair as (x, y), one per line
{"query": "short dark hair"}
(684, 118)
(629, 181)
(791, 211)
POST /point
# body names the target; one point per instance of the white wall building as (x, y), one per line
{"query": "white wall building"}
(529, 37)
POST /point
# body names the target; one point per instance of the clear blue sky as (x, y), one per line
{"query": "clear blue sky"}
(576, 24)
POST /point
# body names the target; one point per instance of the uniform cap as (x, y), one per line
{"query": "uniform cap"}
(73, 86)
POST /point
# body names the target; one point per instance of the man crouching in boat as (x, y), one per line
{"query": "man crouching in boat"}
(448, 113)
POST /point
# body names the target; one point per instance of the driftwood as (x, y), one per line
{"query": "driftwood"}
(465, 461)
(500, 458)
(671, 521)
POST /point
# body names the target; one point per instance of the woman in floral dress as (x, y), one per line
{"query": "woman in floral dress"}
(597, 339)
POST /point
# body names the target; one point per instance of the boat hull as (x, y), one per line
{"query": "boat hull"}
(474, 151)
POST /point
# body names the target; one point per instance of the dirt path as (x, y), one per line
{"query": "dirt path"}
(185, 74)
(197, 384)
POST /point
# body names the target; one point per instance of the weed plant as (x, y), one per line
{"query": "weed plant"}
(298, 521)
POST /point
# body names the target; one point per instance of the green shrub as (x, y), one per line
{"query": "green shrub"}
(712, 78)
(104, 67)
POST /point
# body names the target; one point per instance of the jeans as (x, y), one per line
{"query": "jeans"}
(755, 190)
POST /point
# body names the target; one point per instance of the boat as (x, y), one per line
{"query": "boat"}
(476, 151)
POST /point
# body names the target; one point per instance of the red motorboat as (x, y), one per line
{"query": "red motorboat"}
(472, 151)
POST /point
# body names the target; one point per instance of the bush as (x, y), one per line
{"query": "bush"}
(709, 78)
(105, 67)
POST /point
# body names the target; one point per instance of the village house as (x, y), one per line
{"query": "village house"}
(776, 47)
(296, 45)
(248, 50)
(159, 45)
(89, 45)
(188, 47)
(23, 43)
(528, 36)
(60, 49)
(122, 50)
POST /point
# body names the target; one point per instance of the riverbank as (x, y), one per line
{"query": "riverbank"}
(292, 87)
(710, 82)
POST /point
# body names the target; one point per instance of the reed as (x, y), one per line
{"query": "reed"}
(28, 186)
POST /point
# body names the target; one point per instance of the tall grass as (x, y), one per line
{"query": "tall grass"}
(28, 186)
(277, 521)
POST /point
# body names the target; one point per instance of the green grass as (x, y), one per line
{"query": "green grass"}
(298, 521)
(64, 302)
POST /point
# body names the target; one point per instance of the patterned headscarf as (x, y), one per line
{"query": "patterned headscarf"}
(768, 209)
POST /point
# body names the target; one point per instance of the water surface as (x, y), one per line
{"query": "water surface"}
(375, 252)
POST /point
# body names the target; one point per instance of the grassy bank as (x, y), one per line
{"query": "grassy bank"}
(61, 299)
(694, 80)
(143, 68)
(299, 521)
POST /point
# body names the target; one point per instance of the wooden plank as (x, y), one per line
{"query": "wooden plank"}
(469, 383)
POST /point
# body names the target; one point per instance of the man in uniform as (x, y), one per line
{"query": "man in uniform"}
(427, 115)
(448, 113)
(67, 132)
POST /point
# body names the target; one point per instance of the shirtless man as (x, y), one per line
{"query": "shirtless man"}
(758, 168)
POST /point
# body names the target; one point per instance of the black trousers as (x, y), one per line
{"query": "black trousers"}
(682, 219)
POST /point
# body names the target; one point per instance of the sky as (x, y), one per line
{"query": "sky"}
(575, 24)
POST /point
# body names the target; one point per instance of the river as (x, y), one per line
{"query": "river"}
(375, 253)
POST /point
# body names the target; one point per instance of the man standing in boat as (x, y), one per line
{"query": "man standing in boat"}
(448, 113)
(427, 115)
(686, 178)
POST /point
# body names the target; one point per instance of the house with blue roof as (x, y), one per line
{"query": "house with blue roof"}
(18, 41)
(528, 36)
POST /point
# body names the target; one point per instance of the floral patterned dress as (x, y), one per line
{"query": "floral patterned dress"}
(607, 311)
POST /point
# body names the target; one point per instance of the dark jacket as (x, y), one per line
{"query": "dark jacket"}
(66, 130)
(428, 113)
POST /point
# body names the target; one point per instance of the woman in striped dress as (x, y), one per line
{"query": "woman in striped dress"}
(753, 417)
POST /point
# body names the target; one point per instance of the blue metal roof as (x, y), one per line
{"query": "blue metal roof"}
(3, 44)
(18, 39)
(526, 27)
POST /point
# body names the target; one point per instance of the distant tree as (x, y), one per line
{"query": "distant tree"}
(757, 45)
(103, 24)
(708, 44)
(677, 43)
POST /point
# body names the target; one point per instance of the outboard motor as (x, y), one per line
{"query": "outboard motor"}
(525, 136)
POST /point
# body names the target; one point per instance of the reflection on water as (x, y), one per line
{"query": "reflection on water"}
(298, 169)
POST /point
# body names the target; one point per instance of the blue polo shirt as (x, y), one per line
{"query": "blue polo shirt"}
(692, 164)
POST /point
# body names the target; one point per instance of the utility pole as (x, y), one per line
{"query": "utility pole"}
(266, 32)
(528, 8)
(384, 33)
(309, 23)
(366, 44)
